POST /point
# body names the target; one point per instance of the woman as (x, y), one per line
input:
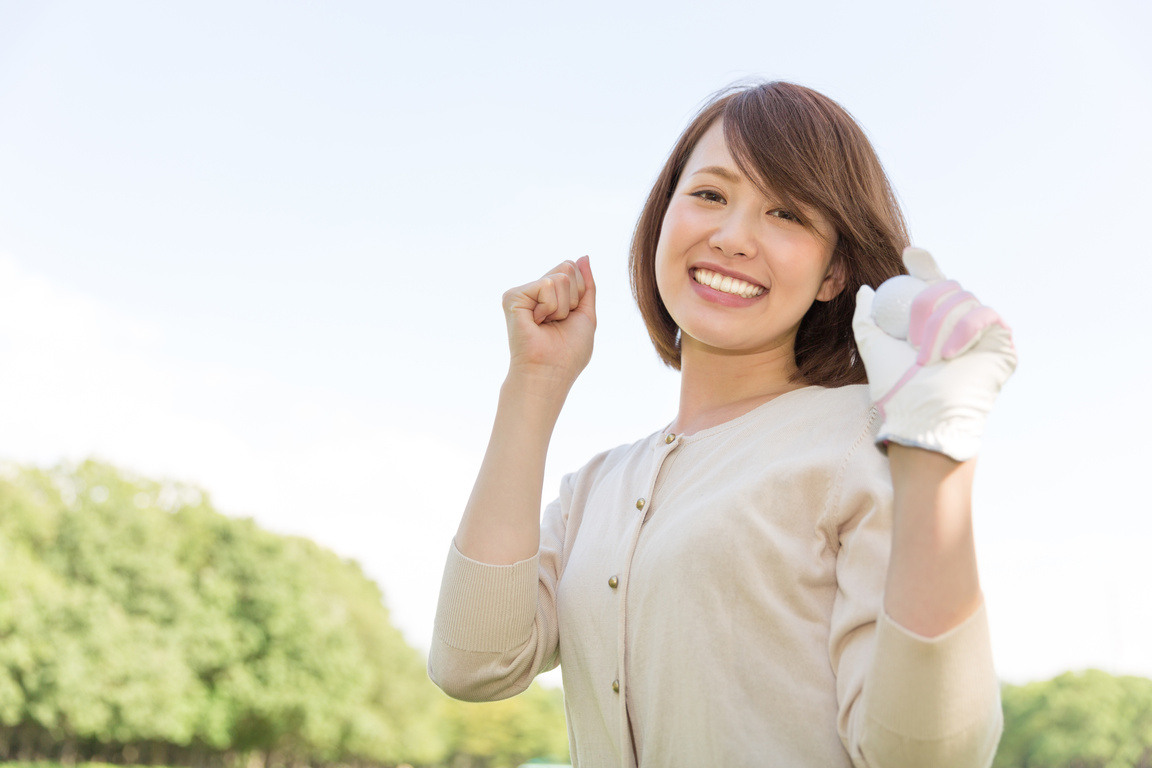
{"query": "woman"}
(786, 574)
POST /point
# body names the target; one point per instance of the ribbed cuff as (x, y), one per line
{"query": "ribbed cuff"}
(932, 688)
(486, 608)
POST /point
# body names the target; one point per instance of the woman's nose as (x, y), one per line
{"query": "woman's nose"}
(735, 235)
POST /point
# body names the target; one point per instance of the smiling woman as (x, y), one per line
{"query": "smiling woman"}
(788, 567)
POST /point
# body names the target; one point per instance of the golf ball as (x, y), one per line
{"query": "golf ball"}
(892, 306)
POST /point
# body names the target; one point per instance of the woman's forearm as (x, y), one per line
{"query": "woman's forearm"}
(932, 584)
(551, 322)
(501, 523)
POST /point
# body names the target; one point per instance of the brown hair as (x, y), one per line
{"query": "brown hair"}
(799, 146)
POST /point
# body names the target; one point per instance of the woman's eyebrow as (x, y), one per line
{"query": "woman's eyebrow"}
(719, 170)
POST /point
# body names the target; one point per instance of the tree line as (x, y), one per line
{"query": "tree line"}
(137, 624)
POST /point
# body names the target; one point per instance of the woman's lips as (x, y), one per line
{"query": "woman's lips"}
(726, 283)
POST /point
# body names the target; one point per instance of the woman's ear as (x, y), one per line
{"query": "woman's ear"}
(833, 281)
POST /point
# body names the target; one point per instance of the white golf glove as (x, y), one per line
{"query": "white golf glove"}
(935, 389)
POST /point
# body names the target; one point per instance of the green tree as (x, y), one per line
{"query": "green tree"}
(1078, 720)
(136, 622)
(81, 657)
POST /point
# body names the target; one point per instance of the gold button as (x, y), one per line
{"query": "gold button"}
(616, 686)
(670, 439)
(640, 503)
(613, 582)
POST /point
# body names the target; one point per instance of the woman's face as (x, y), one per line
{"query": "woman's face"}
(735, 269)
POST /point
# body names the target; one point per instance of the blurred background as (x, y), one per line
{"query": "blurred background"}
(257, 250)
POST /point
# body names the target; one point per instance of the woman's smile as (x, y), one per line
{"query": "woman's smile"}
(726, 284)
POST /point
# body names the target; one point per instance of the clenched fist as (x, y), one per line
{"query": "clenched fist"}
(551, 322)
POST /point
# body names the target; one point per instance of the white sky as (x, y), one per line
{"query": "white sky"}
(260, 247)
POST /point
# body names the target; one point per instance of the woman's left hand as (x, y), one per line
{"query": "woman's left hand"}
(934, 389)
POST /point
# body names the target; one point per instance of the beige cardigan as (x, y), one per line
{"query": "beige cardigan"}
(715, 599)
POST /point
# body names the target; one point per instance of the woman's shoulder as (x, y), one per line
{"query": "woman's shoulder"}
(849, 420)
(616, 458)
(849, 399)
(812, 416)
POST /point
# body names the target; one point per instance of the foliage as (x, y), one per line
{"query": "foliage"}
(504, 734)
(1085, 720)
(137, 623)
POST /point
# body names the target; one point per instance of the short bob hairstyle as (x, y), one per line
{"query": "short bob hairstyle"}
(799, 147)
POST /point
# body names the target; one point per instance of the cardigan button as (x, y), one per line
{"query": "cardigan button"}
(616, 686)
(613, 582)
(669, 439)
(640, 503)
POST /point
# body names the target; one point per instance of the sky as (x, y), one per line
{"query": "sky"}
(260, 247)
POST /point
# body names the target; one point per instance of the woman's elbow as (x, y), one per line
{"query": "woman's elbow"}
(471, 677)
(972, 747)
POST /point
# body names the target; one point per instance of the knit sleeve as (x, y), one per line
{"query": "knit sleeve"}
(496, 626)
(904, 700)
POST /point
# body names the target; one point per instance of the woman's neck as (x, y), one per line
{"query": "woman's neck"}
(718, 387)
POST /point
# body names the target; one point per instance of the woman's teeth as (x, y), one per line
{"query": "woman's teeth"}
(726, 284)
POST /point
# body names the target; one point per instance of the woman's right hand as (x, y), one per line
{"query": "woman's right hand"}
(551, 322)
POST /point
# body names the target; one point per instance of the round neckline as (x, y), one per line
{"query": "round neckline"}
(737, 420)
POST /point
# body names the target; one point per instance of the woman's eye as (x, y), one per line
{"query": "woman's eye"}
(783, 214)
(709, 195)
